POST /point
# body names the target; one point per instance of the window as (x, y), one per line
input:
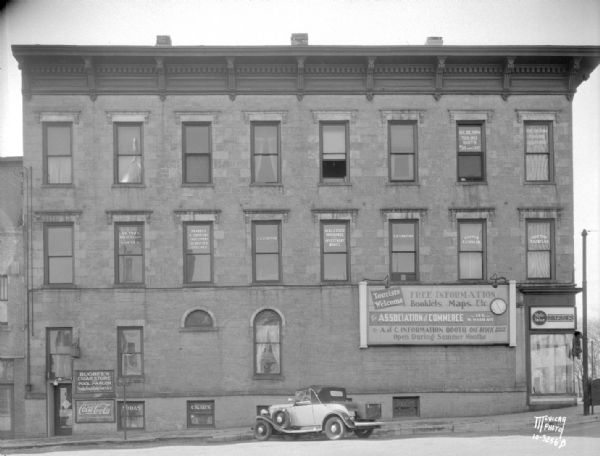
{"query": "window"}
(471, 149)
(402, 146)
(198, 319)
(6, 411)
(58, 258)
(551, 365)
(197, 153)
(538, 151)
(129, 261)
(3, 299)
(334, 251)
(403, 250)
(130, 351)
(265, 152)
(267, 251)
(539, 249)
(132, 417)
(58, 153)
(201, 414)
(471, 250)
(403, 407)
(267, 343)
(334, 150)
(198, 253)
(58, 352)
(128, 151)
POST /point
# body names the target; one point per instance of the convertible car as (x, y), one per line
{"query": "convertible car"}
(318, 409)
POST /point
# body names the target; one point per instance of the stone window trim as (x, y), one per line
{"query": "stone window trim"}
(472, 213)
(126, 215)
(69, 216)
(196, 116)
(265, 116)
(200, 329)
(470, 115)
(548, 213)
(257, 215)
(197, 215)
(417, 213)
(526, 115)
(334, 214)
(334, 116)
(128, 116)
(59, 116)
(414, 115)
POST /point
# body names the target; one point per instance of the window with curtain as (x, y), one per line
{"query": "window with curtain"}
(58, 250)
(197, 153)
(58, 152)
(129, 259)
(133, 417)
(403, 250)
(58, 351)
(471, 152)
(402, 144)
(267, 343)
(265, 152)
(551, 364)
(334, 150)
(334, 251)
(538, 151)
(471, 250)
(267, 251)
(198, 253)
(539, 249)
(130, 351)
(128, 146)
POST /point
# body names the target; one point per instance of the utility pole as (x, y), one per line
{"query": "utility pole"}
(584, 380)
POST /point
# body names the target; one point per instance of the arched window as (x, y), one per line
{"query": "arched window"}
(267, 343)
(198, 319)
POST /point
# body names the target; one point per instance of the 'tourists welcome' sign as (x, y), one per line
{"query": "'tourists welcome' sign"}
(438, 315)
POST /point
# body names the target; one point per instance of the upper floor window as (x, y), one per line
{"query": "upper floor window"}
(335, 252)
(58, 254)
(128, 153)
(471, 152)
(266, 238)
(539, 249)
(58, 153)
(197, 153)
(129, 255)
(402, 146)
(58, 352)
(267, 343)
(471, 249)
(130, 351)
(403, 250)
(198, 319)
(265, 152)
(3, 300)
(198, 253)
(334, 151)
(538, 151)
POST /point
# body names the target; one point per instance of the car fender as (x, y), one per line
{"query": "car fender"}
(341, 415)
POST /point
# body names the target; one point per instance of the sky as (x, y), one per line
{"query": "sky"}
(335, 22)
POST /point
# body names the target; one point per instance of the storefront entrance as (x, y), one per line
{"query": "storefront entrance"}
(63, 410)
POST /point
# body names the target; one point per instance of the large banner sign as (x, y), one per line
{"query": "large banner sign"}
(438, 315)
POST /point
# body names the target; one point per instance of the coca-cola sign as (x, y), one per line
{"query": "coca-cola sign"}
(100, 411)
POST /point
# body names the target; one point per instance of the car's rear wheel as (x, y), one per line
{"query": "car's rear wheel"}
(281, 418)
(334, 428)
(363, 433)
(262, 430)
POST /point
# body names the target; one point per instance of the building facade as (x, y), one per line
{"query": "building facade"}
(214, 227)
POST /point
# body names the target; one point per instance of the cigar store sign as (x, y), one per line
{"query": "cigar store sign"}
(437, 315)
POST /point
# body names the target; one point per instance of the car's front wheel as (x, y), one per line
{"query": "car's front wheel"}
(334, 428)
(262, 430)
(363, 433)
(281, 418)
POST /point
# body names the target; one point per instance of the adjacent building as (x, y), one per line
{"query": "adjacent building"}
(214, 227)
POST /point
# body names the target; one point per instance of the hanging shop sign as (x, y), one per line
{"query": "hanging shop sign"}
(94, 381)
(95, 411)
(438, 315)
(552, 318)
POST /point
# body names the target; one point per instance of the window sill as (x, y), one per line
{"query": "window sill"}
(335, 184)
(59, 286)
(128, 186)
(470, 183)
(198, 285)
(402, 184)
(129, 285)
(58, 186)
(198, 185)
(551, 183)
(335, 282)
(198, 330)
(266, 184)
(277, 377)
(5, 327)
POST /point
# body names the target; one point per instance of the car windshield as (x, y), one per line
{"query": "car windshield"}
(302, 396)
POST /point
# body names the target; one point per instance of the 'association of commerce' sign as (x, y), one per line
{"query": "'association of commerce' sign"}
(438, 315)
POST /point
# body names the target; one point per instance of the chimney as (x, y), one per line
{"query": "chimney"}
(434, 41)
(299, 39)
(163, 40)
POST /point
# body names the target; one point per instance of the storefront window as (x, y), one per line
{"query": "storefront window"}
(551, 365)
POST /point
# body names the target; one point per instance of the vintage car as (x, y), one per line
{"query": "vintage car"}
(318, 409)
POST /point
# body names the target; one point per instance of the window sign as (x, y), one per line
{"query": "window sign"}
(469, 138)
(130, 254)
(94, 381)
(134, 418)
(334, 237)
(201, 414)
(198, 251)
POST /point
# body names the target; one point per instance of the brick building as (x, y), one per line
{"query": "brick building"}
(213, 227)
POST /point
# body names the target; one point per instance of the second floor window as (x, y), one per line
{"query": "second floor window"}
(58, 258)
(198, 253)
(130, 351)
(58, 153)
(58, 351)
(403, 250)
(265, 152)
(267, 251)
(267, 343)
(538, 151)
(197, 153)
(128, 153)
(334, 251)
(3, 300)
(471, 250)
(334, 151)
(129, 261)
(471, 152)
(402, 137)
(539, 249)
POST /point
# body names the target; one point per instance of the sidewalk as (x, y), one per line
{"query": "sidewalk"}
(409, 427)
